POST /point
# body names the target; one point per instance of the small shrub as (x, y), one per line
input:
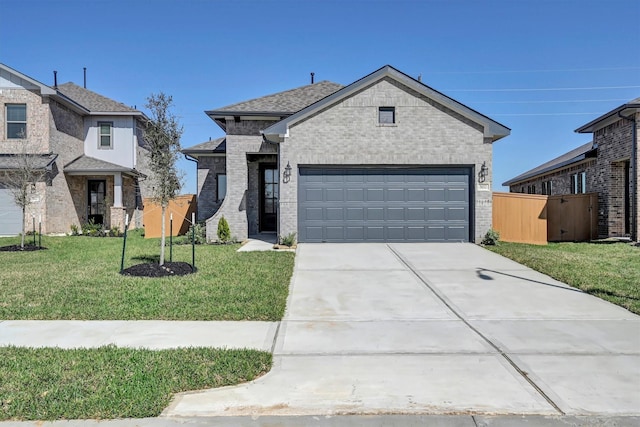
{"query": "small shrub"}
(114, 232)
(75, 230)
(92, 229)
(224, 233)
(288, 240)
(198, 231)
(491, 238)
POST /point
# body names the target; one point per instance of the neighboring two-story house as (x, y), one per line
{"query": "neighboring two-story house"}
(91, 147)
(384, 159)
(608, 165)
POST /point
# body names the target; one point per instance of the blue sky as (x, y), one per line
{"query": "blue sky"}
(541, 67)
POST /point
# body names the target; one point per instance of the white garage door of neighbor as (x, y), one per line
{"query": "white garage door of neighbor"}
(10, 213)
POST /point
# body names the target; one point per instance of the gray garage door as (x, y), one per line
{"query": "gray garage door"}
(383, 204)
(10, 214)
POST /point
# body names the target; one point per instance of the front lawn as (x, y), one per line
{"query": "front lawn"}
(110, 382)
(78, 277)
(608, 271)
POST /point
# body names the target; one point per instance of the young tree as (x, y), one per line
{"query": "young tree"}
(162, 135)
(27, 170)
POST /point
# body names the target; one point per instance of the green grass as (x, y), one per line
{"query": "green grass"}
(608, 271)
(78, 278)
(110, 382)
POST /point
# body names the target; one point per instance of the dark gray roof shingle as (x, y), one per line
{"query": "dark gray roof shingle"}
(218, 145)
(287, 102)
(92, 101)
(91, 164)
(564, 160)
(37, 161)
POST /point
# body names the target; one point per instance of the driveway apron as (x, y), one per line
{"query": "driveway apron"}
(428, 328)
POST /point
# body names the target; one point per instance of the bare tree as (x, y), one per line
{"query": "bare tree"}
(162, 135)
(24, 171)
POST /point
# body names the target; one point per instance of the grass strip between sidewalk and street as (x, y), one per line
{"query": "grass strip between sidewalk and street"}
(110, 382)
(79, 278)
(608, 271)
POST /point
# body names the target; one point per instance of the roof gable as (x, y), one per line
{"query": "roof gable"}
(11, 78)
(492, 129)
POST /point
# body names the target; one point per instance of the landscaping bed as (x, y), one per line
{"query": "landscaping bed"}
(608, 271)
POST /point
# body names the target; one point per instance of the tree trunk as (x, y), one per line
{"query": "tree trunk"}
(162, 238)
(23, 228)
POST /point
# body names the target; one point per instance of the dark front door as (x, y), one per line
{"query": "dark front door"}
(269, 178)
(95, 204)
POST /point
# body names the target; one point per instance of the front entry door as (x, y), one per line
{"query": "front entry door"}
(269, 178)
(95, 205)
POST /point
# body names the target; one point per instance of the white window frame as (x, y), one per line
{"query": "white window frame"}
(100, 135)
(579, 183)
(8, 122)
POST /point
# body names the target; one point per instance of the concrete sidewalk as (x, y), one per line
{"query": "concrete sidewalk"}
(349, 421)
(436, 329)
(151, 334)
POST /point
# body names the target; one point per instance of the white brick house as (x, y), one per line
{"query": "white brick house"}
(385, 158)
(91, 147)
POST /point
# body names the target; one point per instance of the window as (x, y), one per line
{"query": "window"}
(387, 115)
(579, 183)
(546, 187)
(16, 115)
(222, 186)
(105, 137)
(531, 189)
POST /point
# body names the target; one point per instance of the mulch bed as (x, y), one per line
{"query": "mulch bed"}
(17, 248)
(157, 270)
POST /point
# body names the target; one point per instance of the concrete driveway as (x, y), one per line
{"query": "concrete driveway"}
(436, 329)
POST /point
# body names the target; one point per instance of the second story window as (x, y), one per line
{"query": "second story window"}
(16, 115)
(105, 135)
(387, 115)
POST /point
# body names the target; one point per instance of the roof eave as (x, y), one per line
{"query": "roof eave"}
(557, 167)
(592, 126)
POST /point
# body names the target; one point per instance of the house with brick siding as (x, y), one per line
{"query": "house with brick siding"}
(91, 148)
(607, 165)
(383, 159)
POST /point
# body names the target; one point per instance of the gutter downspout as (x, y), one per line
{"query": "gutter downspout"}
(195, 160)
(634, 175)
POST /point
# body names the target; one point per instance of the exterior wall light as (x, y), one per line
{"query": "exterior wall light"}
(286, 174)
(484, 171)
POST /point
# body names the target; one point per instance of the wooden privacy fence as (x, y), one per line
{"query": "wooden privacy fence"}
(530, 218)
(181, 207)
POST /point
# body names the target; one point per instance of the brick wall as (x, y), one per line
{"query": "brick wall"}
(209, 167)
(425, 133)
(242, 137)
(614, 148)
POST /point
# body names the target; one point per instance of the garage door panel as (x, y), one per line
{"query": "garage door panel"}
(334, 195)
(375, 214)
(355, 195)
(383, 204)
(457, 195)
(10, 213)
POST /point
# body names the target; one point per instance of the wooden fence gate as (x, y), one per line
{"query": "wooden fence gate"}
(537, 219)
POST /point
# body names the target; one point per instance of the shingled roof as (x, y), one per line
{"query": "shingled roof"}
(573, 156)
(16, 161)
(87, 164)
(94, 102)
(218, 145)
(281, 103)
